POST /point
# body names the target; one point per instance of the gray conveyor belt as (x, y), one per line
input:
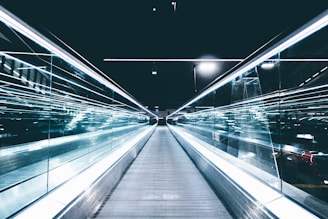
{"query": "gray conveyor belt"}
(163, 182)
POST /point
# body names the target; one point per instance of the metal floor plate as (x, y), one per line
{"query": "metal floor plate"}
(163, 183)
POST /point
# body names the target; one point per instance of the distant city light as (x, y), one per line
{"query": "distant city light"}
(267, 65)
(305, 136)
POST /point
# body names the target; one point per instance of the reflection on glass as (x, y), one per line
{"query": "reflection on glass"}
(55, 121)
(273, 117)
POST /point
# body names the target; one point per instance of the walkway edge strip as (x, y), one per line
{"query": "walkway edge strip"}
(68, 192)
(270, 198)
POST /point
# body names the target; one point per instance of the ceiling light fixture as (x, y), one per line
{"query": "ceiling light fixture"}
(173, 60)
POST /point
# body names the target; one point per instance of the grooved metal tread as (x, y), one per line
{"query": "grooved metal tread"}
(163, 182)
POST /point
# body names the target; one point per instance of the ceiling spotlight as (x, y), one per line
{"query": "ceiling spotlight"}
(154, 9)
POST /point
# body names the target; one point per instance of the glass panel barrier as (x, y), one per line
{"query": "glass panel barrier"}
(303, 121)
(57, 116)
(270, 114)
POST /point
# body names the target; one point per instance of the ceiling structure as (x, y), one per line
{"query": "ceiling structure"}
(163, 29)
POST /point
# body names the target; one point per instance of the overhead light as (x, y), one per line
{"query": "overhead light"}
(324, 69)
(315, 75)
(181, 60)
(307, 80)
(154, 72)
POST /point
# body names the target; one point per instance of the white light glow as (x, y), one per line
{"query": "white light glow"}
(307, 80)
(305, 136)
(315, 75)
(207, 67)
(324, 69)
(289, 148)
(31, 67)
(27, 53)
(173, 60)
(267, 65)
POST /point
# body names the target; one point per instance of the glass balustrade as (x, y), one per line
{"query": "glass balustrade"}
(58, 116)
(270, 113)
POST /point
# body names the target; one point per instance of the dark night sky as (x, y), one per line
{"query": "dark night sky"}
(101, 29)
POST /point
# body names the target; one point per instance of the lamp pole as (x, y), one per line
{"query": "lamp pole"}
(195, 77)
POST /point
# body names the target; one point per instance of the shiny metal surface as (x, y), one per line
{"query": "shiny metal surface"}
(245, 194)
(163, 182)
(82, 195)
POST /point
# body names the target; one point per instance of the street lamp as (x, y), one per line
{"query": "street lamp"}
(154, 69)
(195, 76)
(206, 68)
